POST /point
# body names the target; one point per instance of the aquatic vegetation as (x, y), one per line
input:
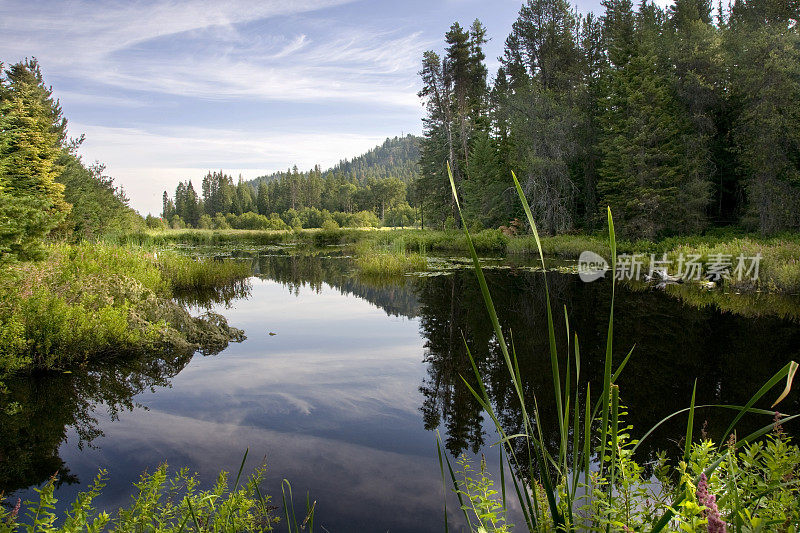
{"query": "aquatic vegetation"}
(198, 274)
(779, 259)
(204, 236)
(589, 481)
(389, 263)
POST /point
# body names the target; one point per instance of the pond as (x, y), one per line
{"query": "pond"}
(343, 380)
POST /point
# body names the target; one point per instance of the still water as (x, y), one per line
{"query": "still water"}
(342, 381)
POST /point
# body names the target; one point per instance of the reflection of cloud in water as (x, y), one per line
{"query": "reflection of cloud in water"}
(353, 485)
(332, 352)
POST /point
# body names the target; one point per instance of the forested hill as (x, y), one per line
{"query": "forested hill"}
(397, 157)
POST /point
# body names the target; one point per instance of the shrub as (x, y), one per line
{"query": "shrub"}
(330, 225)
(157, 223)
(220, 222)
(177, 222)
(205, 222)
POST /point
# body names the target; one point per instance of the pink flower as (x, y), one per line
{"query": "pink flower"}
(14, 512)
(709, 501)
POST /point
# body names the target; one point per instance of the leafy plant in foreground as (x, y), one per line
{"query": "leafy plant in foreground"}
(163, 503)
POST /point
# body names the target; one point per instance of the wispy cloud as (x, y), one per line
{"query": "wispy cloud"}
(100, 28)
(133, 76)
(203, 49)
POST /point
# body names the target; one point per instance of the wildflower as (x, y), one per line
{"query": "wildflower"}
(709, 501)
(14, 512)
(778, 428)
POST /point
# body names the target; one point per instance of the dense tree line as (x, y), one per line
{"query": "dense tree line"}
(375, 183)
(678, 119)
(45, 189)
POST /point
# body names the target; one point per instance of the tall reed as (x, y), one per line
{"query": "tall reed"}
(593, 450)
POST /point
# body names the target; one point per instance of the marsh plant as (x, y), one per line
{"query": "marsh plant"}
(591, 481)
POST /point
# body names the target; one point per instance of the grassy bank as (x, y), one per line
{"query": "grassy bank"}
(779, 269)
(94, 300)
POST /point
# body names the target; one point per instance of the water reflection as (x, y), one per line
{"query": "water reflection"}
(343, 397)
(731, 356)
(51, 404)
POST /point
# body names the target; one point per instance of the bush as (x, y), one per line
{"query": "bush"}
(177, 222)
(221, 223)
(205, 222)
(400, 216)
(330, 225)
(156, 223)
(255, 221)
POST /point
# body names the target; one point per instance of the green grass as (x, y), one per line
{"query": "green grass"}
(779, 266)
(88, 300)
(205, 236)
(389, 263)
(187, 274)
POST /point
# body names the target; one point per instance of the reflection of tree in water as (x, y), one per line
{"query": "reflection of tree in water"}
(395, 295)
(445, 316)
(51, 403)
(223, 294)
(731, 356)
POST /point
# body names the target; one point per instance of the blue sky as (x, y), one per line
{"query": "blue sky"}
(165, 90)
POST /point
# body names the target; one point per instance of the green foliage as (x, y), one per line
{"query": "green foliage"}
(186, 274)
(644, 174)
(763, 43)
(163, 502)
(93, 300)
(32, 134)
(389, 263)
(98, 207)
(674, 117)
(477, 488)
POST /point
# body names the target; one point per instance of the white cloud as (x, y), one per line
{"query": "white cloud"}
(196, 49)
(120, 66)
(98, 29)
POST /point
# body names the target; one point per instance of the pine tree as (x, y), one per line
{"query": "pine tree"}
(262, 201)
(765, 86)
(544, 63)
(32, 137)
(644, 174)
